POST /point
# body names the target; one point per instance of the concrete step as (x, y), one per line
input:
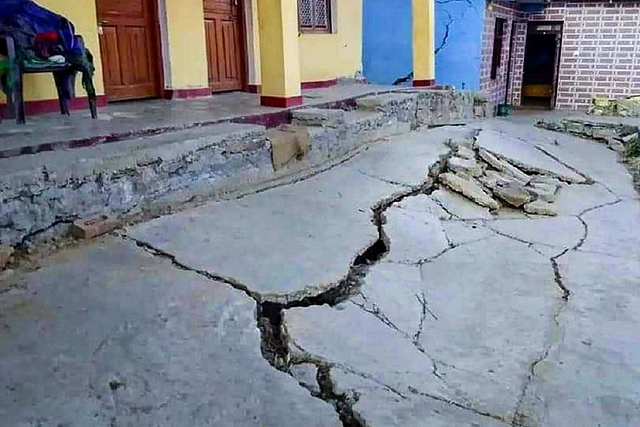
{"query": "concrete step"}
(402, 106)
(368, 126)
(318, 117)
(41, 190)
(316, 144)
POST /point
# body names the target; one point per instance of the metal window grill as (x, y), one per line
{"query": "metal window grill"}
(314, 15)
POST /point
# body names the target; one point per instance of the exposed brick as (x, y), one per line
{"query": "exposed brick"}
(94, 227)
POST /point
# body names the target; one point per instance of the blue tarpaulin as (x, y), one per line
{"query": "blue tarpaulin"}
(24, 19)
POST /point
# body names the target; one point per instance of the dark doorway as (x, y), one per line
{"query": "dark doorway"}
(541, 66)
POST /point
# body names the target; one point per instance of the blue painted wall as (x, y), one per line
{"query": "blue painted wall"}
(459, 56)
(387, 53)
(387, 50)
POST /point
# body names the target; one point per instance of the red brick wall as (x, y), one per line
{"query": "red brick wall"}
(495, 88)
(517, 63)
(600, 51)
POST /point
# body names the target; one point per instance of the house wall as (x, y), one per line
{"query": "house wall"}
(600, 50)
(600, 53)
(323, 57)
(326, 57)
(387, 34)
(185, 45)
(387, 40)
(459, 26)
(496, 89)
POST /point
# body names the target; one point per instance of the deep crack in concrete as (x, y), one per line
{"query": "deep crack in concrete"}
(275, 343)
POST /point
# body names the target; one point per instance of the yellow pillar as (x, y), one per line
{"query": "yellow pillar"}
(424, 28)
(185, 50)
(279, 53)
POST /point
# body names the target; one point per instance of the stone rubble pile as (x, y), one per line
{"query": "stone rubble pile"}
(617, 136)
(493, 182)
(625, 107)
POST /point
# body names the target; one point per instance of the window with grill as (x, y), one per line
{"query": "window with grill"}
(314, 16)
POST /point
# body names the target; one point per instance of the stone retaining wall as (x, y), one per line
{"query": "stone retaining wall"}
(45, 192)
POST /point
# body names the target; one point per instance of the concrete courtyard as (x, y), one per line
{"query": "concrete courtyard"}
(382, 292)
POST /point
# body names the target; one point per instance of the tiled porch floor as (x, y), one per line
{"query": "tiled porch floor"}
(125, 120)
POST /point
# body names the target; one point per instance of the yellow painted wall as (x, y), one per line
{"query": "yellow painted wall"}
(323, 56)
(253, 54)
(83, 15)
(280, 55)
(327, 56)
(186, 44)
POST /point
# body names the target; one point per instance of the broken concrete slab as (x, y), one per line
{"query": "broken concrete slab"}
(422, 333)
(540, 207)
(545, 180)
(306, 375)
(614, 230)
(283, 234)
(461, 232)
(416, 152)
(469, 189)
(416, 236)
(545, 192)
(377, 351)
(590, 374)
(513, 194)
(409, 409)
(111, 335)
(481, 274)
(464, 166)
(559, 233)
(460, 207)
(422, 203)
(465, 152)
(595, 160)
(503, 166)
(399, 288)
(491, 179)
(575, 199)
(525, 156)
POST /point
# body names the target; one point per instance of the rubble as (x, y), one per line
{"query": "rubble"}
(513, 194)
(469, 189)
(540, 207)
(465, 166)
(503, 166)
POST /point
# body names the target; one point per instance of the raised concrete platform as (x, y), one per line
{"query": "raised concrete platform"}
(42, 193)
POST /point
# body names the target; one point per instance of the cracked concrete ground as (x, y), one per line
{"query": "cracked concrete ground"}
(379, 297)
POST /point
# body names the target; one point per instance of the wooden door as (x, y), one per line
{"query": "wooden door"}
(225, 52)
(130, 48)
